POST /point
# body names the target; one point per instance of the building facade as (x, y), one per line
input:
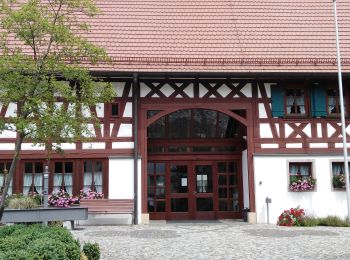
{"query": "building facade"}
(204, 128)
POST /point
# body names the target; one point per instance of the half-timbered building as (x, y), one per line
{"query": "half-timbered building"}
(219, 103)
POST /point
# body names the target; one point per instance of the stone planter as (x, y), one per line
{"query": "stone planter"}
(45, 215)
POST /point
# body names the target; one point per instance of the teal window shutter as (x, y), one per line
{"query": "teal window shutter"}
(277, 103)
(318, 101)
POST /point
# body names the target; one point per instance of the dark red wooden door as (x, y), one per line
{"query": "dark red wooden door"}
(196, 190)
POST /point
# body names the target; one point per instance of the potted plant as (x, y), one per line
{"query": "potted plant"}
(339, 181)
(300, 183)
(62, 199)
(91, 195)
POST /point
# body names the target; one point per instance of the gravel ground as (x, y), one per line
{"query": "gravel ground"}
(217, 240)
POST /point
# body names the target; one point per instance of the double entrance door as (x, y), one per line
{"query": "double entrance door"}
(194, 189)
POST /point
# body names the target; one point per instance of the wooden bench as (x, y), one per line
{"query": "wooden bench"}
(109, 206)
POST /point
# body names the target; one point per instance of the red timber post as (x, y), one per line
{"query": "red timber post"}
(250, 151)
(135, 95)
(143, 155)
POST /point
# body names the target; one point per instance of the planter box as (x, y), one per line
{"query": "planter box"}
(45, 214)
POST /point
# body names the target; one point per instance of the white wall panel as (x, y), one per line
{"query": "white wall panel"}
(247, 90)
(94, 145)
(245, 179)
(123, 145)
(7, 146)
(272, 173)
(224, 91)
(294, 145)
(269, 145)
(202, 90)
(307, 130)
(330, 130)
(189, 91)
(31, 146)
(125, 130)
(167, 90)
(319, 130)
(121, 178)
(318, 145)
(11, 110)
(118, 88)
(100, 110)
(262, 111)
(67, 146)
(265, 131)
(144, 90)
(8, 133)
(128, 110)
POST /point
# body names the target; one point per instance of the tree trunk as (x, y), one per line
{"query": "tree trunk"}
(10, 174)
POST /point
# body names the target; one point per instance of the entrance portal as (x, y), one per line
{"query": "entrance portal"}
(194, 166)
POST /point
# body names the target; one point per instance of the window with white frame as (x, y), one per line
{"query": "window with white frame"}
(63, 177)
(338, 175)
(93, 175)
(301, 177)
(334, 102)
(33, 178)
(295, 101)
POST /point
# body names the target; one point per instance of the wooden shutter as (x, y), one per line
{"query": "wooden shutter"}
(318, 101)
(277, 103)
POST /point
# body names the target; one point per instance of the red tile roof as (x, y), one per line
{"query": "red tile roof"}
(221, 35)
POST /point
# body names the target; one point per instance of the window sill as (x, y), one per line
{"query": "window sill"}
(339, 189)
(299, 191)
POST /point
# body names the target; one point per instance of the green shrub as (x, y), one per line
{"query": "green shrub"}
(17, 255)
(37, 242)
(48, 248)
(22, 203)
(92, 251)
(11, 244)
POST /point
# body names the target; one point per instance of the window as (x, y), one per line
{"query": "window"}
(33, 177)
(93, 176)
(4, 166)
(338, 176)
(193, 123)
(115, 109)
(295, 101)
(63, 176)
(156, 187)
(300, 176)
(228, 186)
(333, 102)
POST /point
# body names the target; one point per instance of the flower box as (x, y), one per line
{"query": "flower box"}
(339, 181)
(299, 183)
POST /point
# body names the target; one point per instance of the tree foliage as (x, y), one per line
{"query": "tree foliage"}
(43, 71)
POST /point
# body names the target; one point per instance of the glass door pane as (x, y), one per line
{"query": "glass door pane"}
(179, 187)
(178, 178)
(204, 179)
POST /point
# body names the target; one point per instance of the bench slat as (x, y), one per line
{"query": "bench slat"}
(123, 206)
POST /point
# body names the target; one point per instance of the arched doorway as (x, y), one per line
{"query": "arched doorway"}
(194, 168)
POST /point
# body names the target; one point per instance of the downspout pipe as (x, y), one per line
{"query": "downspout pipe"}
(135, 95)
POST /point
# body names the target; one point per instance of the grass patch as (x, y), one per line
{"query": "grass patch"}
(329, 221)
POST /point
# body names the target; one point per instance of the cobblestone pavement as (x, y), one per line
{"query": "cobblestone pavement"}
(217, 240)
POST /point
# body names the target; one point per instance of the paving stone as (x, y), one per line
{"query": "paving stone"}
(217, 240)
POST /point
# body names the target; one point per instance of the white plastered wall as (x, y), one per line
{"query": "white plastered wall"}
(271, 180)
(121, 180)
(245, 179)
